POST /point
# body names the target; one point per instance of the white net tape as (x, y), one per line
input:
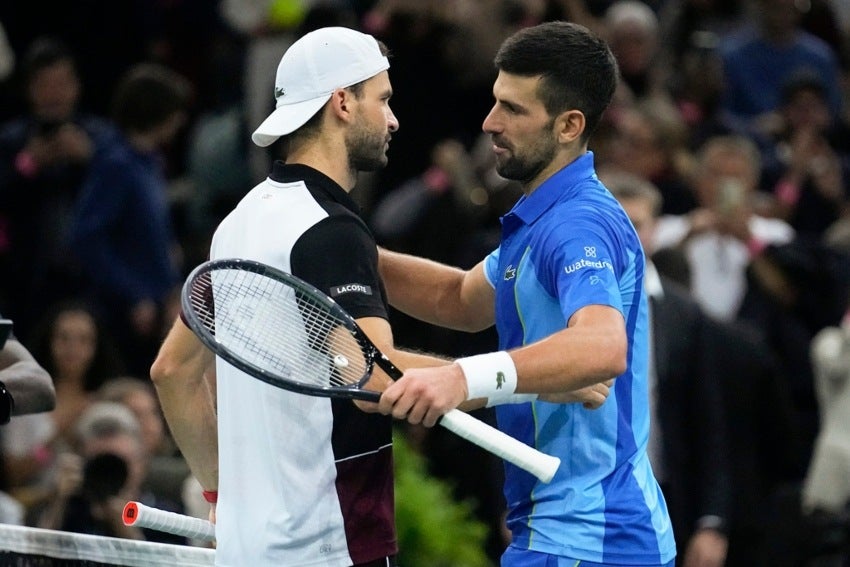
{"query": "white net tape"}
(106, 550)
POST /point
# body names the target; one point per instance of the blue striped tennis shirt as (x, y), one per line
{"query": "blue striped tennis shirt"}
(568, 245)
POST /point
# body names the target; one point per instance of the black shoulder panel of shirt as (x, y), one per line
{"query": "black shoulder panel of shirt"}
(338, 255)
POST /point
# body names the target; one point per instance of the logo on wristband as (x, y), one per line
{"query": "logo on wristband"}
(500, 379)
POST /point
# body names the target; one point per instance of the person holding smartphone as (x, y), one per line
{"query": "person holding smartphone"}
(725, 234)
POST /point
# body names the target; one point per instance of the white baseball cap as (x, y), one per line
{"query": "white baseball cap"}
(311, 69)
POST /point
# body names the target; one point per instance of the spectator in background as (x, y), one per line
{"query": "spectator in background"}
(44, 157)
(72, 347)
(688, 443)
(650, 141)
(140, 397)
(122, 230)
(690, 24)
(691, 31)
(166, 469)
(107, 469)
(723, 236)
(631, 28)
(794, 290)
(450, 212)
(825, 494)
(757, 62)
(77, 350)
(807, 159)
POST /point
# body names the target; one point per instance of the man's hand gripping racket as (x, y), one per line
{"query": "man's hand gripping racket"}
(283, 331)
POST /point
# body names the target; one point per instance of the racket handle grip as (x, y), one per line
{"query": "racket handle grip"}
(539, 464)
(142, 516)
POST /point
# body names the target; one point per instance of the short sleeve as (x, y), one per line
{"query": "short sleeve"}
(338, 256)
(491, 267)
(584, 271)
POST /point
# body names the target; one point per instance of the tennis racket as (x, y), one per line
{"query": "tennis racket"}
(142, 516)
(281, 330)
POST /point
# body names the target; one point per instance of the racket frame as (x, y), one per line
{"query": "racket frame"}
(541, 465)
(371, 353)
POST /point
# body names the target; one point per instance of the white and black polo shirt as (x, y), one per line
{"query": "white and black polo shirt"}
(302, 481)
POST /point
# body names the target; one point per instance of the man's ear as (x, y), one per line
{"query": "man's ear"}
(569, 126)
(341, 103)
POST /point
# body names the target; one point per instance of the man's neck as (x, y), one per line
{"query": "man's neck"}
(324, 156)
(561, 160)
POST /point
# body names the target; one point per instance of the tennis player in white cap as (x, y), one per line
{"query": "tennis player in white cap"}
(299, 480)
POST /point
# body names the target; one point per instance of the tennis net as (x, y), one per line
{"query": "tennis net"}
(34, 547)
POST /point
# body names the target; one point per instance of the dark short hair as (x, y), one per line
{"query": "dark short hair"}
(577, 68)
(45, 52)
(147, 96)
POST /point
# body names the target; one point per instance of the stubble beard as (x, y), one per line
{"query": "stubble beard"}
(366, 149)
(526, 168)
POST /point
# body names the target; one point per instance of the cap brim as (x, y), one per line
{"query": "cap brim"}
(286, 119)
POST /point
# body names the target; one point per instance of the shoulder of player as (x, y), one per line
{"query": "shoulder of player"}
(336, 234)
(581, 218)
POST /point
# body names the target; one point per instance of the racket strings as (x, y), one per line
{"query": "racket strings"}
(280, 329)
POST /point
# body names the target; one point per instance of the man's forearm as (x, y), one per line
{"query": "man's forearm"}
(182, 374)
(435, 293)
(191, 417)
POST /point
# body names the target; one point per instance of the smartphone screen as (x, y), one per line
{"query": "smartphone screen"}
(731, 194)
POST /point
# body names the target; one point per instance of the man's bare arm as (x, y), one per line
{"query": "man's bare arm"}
(438, 294)
(184, 374)
(380, 333)
(591, 351)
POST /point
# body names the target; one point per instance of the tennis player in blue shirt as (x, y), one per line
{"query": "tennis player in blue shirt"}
(565, 291)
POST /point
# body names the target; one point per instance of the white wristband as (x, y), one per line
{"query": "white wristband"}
(512, 399)
(491, 376)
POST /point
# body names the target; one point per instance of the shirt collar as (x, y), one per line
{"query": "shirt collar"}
(554, 189)
(314, 179)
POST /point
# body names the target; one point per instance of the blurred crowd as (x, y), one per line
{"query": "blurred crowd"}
(125, 137)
